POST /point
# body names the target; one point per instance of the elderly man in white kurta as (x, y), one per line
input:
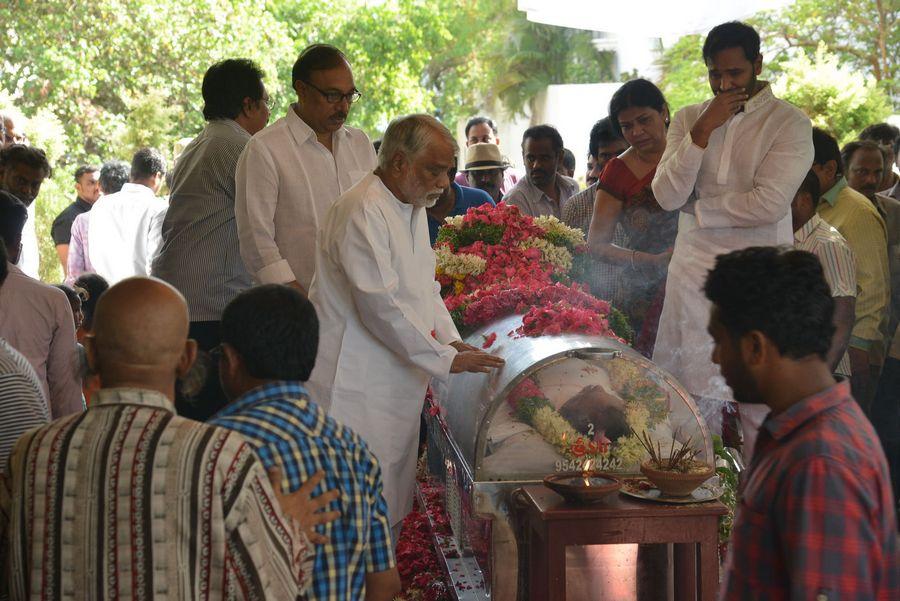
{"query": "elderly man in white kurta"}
(385, 331)
(290, 173)
(732, 165)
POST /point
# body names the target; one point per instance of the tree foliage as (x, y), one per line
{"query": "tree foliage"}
(863, 34)
(120, 74)
(834, 96)
(684, 78)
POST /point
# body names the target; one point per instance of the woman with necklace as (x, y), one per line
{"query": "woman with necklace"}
(638, 110)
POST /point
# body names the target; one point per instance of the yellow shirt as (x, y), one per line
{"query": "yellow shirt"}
(857, 219)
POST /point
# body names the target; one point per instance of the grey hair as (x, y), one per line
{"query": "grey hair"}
(410, 135)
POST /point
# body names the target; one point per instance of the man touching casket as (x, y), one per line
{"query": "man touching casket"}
(385, 331)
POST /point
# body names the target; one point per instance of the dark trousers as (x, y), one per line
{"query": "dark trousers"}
(885, 414)
(209, 397)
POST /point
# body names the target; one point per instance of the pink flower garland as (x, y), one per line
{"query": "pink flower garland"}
(516, 279)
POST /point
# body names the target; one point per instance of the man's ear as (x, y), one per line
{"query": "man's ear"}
(188, 356)
(757, 64)
(754, 348)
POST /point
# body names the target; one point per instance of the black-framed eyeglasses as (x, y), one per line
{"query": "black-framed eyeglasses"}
(333, 97)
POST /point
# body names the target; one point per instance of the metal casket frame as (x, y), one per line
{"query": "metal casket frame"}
(479, 503)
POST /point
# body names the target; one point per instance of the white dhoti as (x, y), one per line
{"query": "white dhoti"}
(384, 329)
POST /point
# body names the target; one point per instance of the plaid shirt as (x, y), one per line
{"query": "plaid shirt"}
(292, 433)
(816, 517)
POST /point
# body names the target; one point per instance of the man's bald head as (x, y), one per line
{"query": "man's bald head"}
(140, 335)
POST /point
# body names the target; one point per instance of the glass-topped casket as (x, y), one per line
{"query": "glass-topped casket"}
(559, 402)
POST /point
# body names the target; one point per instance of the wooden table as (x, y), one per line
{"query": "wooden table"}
(553, 524)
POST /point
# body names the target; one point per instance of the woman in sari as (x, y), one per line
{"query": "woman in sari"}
(639, 111)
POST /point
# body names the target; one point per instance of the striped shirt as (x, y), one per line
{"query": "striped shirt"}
(858, 221)
(79, 260)
(130, 501)
(294, 434)
(604, 279)
(837, 260)
(22, 402)
(200, 254)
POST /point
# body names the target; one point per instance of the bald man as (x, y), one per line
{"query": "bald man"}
(130, 500)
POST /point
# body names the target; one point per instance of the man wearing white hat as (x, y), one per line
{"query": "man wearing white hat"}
(485, 169)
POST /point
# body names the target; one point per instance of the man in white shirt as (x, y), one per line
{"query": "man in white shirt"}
(125, 227)
(385, 331)
(36, 320)
(22, 171)
(290, 173)
(731, 165)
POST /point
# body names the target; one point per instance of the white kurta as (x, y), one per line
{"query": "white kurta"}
(743, 183)
(378, 303)
(285, 182)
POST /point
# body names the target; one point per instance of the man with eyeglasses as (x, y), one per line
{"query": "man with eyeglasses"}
(200, 254)
(292, 172)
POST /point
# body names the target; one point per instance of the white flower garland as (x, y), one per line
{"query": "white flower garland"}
(552, 225)
(558, 256)
(458, 266)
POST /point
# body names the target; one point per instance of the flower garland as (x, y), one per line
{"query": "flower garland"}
(495, 261)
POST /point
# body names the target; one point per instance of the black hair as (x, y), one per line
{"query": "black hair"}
(810, 185)
(478, 121)
(635, 93)
(114, 175)
(318, 57)
(781, 293)
(733, 34)
(4, 266)
(13, 215)
(275, 330)
(95, 285)
(20, 154)
(825, 148)
(883, 133)
(85, 169)
(147, 162)
(602, 134)
(72, 296)
(568, 159)
(850, 149)
(226, 84)
(544, 132)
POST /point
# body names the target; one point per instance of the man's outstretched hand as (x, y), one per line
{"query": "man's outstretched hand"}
(306, 510)
(475, 361)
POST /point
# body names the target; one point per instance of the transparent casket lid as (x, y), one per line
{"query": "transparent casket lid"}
(565, 400)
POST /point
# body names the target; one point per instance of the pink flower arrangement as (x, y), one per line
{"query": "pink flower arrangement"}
(518, 276)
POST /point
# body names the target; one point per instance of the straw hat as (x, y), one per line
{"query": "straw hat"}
(483, 156)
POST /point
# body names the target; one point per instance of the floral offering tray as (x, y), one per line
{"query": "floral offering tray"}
(641, 488)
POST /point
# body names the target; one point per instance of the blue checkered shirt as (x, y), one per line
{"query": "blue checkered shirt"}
(292, 433)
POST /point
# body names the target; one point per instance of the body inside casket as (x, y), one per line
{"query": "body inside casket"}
(558, 402)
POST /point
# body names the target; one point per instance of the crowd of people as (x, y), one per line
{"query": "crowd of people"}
(223, 399)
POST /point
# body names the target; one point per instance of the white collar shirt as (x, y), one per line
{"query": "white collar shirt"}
(286, 181)
(36, 320)
(30, 257)
(125, 232)
(741, 185)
